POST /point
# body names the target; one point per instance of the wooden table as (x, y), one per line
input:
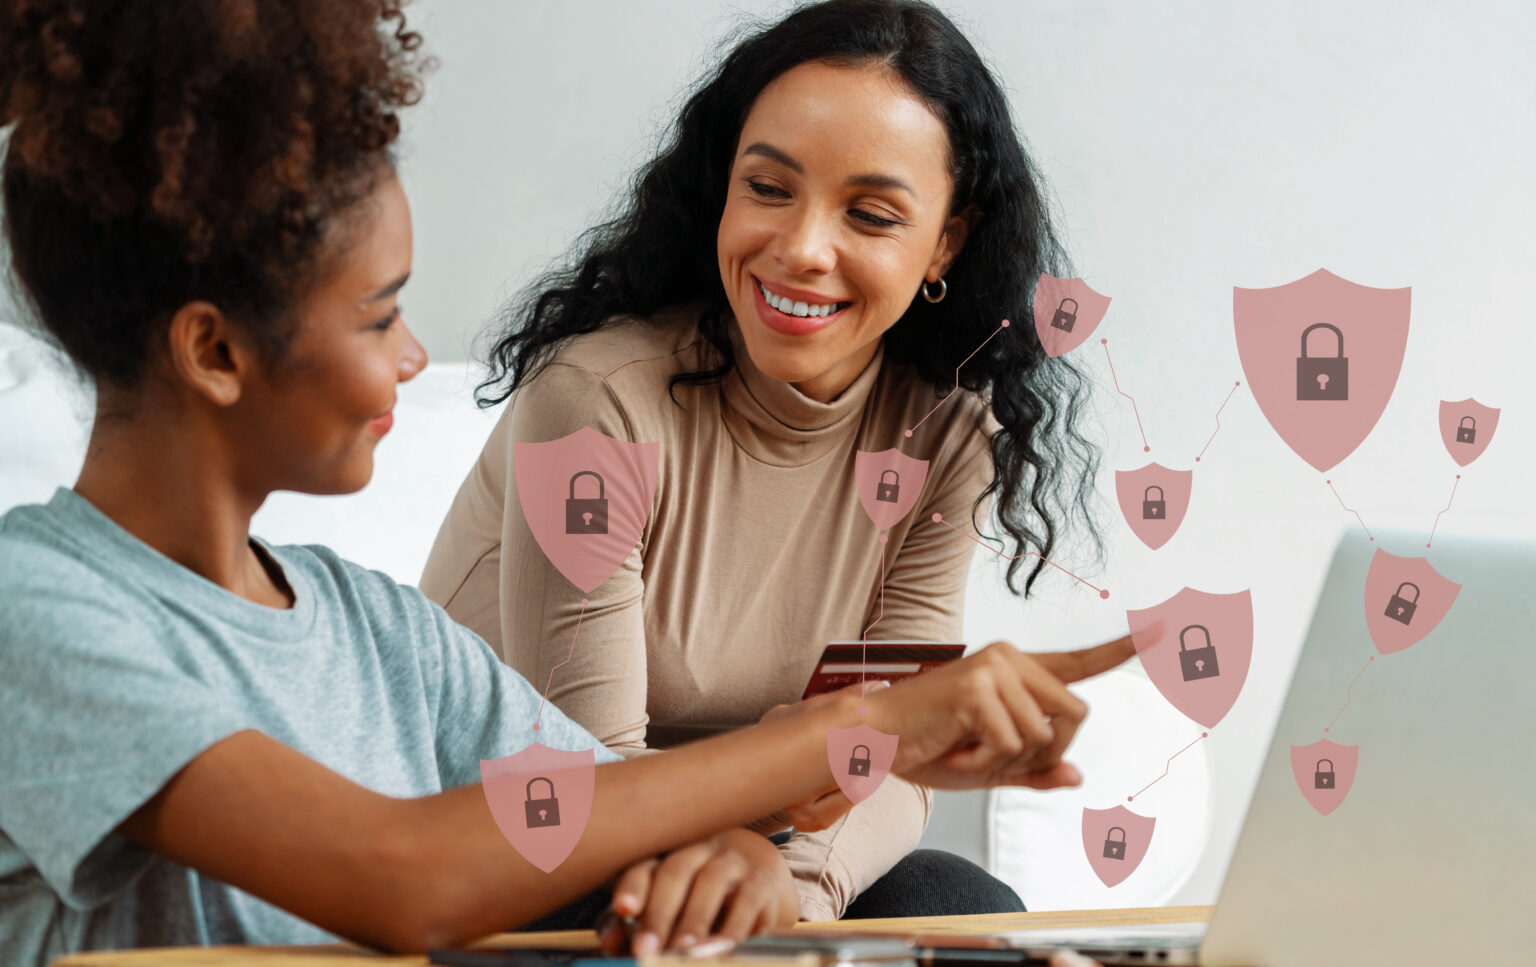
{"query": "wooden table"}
(348, 955)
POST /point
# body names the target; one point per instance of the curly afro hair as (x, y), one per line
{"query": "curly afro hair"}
(166, 152)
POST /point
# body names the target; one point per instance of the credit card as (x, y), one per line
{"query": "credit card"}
(844, 663)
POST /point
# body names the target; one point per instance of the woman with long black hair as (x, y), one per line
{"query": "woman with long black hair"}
(842, 215)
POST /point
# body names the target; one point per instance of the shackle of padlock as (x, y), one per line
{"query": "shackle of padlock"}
(1190, 628)
(1321, 325)
(855, 753)
(892, 473)
(1407, 584)
(1111, 830)
(1464, 423)
(528, 789)
(1319, 766)
(588, 473)
(1063, 304)
(1150, 488)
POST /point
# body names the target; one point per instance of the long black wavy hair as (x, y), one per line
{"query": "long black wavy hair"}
(660, 252)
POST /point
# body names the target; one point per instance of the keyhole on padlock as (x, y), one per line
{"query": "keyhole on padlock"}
(543, 814)
(1399, 609)
(586, 519)
(1199, 664)
(1322, 381)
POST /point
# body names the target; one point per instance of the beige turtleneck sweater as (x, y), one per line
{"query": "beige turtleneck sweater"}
(756, 554)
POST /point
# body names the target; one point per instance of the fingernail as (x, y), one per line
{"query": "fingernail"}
(645, 943)
(713, 948)
(627, 904)
(1070, 958)
(686, 940)
(882, 683)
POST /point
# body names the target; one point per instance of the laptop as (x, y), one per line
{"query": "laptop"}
(1430, 858)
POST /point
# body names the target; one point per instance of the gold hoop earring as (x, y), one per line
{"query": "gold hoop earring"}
(943, 290)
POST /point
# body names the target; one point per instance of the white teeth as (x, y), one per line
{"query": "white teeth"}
(792, 308)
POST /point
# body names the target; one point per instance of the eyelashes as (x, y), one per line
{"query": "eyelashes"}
(763, 190)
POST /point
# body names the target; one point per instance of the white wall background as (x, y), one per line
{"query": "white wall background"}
(1191, 147)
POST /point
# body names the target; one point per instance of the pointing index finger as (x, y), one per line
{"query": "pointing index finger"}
(1074, 666)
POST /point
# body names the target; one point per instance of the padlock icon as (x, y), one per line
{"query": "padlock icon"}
(888, 491)
(541, 812)
(1114, 849)
(587, 515)
(1467, 434)
(1400, 608)
(1153, 509)
(1198, 662)
(1063, 319)
(1322, 377)
(858, 765)
(1321, 779)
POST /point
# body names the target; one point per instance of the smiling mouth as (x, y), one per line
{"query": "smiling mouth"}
(798, 310)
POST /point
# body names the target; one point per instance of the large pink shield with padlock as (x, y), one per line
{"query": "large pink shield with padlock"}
(1067, 312)
(1324, 772)
(586, 498)
(1404, 599)
(1154, 500)
(1196, 647)
(889, 484)
(861, 758)
(1322, 356)
(1115, 841)
(541, 799)
(1466, 427)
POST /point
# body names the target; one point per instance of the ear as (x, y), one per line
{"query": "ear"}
(956, 231)
(208, 352)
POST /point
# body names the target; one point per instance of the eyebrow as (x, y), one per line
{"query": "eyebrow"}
(388, 290)
(852, 181)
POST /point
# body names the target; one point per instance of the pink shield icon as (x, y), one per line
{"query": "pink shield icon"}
(861, 758)
(541, 799)
(1466, 428)
(1196, 648)
(1116, 841)
(889, 484)
(1154, 500)
(1322, 356)
(1404, 599)
(1066, 313)
(1324, 772)
(586, 498)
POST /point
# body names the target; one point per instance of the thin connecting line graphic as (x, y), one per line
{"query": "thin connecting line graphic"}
(957, 377)
(1166, 766)
(864, 639)
(1145, 447)
(1350, 510)
(939, 519)
(545, 696)
(1218, 418)
(1349, 694)
(1447, 507)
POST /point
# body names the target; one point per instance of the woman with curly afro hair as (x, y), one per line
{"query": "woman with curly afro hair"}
(207, 739)
(840, 220)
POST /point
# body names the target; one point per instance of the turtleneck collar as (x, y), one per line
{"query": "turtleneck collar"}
(777, 424)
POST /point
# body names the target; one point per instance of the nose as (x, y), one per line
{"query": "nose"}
(413, 356)
(805, 245)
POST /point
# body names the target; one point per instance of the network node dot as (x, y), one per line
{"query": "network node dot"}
(1197, 459)
(1204, 734)
(938, 518)
(1458, 476)
(884, 538)
(908, 432)
(1104, 593)
(535, 726)
(1005, 323)
(1130, 798)
(1325, 730)
(1238, 383)
(585, 602)
(1103, 342)
(1146, 449)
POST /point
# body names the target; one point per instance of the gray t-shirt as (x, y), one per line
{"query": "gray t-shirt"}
(118, 666)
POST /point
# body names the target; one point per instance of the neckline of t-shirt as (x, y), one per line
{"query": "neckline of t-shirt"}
(168, 580)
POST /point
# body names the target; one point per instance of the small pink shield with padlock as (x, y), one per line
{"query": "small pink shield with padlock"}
(1067, 312)
(541, 799)
(1115, 841)
(586, 498)
(1324, 772)
(1196, 647)
(889, 484)
(1466, 428)
(1404, 599)
(1321, 355)
(861, 758)
(1154, 500)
